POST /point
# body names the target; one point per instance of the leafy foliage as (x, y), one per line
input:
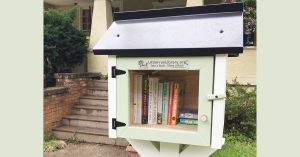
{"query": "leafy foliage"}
(64, 45)
(73, 139)
(52, 144)
(236, 146)
(240, 116)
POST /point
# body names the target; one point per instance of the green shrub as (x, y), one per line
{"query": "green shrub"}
(49, 137)
(236, 147)
(52, 144)
(240, 116)
(73, 139)
(64, 45)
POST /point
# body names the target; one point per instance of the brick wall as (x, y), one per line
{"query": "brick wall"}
(59, 100)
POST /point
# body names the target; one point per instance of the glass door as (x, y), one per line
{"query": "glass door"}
(165, 99)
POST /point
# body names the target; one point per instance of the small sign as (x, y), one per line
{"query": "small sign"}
(163, 64)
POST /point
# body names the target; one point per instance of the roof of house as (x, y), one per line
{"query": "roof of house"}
(187, 31)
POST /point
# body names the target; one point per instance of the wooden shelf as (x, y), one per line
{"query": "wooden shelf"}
(168, 127)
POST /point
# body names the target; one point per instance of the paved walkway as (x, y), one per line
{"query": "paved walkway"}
(89, 150)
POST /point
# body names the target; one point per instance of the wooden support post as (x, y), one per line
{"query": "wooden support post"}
(144, 148)
(169, 150)
(148, 149)
(197, 151)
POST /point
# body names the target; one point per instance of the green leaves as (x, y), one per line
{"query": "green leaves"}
(64, 45)
(240, 115)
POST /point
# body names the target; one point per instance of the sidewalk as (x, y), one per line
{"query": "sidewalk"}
(89, 150)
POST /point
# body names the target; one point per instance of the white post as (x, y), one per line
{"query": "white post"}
(147, 149)
(112, 96)
(197, 151)
(169, 150)
(102, 19)
(219, 104)
(144, 148)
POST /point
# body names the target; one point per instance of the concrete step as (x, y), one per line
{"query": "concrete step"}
(93, 100)
(85, 134)
(98, 83)
(97, 91)
(94, 110)
(86, 121)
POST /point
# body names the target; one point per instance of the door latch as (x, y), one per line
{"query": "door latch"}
(216, 96)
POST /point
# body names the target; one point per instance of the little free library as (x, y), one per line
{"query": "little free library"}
(167, 77)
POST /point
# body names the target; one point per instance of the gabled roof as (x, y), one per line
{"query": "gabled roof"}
(188, 31)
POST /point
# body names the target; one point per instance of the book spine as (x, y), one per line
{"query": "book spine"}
(170, 102)
(145, 90)
(155, 100)
(175, 106)
(135, 95)
(188, 121)
(150, 103)
(139, 98)
(159, 104)
(165, 102)
(188, 115)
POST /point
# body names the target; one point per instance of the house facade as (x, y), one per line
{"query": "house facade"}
(95, 16)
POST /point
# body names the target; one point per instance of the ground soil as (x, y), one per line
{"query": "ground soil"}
(89, 150)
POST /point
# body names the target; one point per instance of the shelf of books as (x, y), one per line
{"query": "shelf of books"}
(164, 99)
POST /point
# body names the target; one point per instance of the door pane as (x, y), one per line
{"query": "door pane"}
(166, 99)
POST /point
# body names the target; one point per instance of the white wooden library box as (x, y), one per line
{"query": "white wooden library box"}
(167, 72)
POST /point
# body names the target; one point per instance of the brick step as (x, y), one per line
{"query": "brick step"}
(92, 110)
(98, 83)
(97, 91)
(86, 121)
(93, 100)
(85, 134)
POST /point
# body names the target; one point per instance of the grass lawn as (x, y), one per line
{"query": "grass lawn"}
(236, 148)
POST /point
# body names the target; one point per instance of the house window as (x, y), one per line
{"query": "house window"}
(86, 18)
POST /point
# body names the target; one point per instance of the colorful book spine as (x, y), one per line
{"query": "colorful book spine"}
(135, 97)
(155, 100)
(159, 103)
(175, 103)
(145, 98)
(188, 121)
(188, 115)
(151, 101)
(139, 98)
(170, 103)
(165, 102)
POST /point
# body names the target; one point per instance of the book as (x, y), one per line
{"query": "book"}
(159, 103)
(175, 103)
(165, 102)
(135, 95)
(139, 98)
(188, 121)
(188, 115)
(145, 99)
(170, 102)
(150, 100)
(153, 100)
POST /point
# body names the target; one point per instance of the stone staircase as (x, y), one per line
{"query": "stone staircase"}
(89, 117)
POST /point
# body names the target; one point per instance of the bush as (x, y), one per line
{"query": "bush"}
(52, 144)
(64, 45)
(73, 139)
(240, 116)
